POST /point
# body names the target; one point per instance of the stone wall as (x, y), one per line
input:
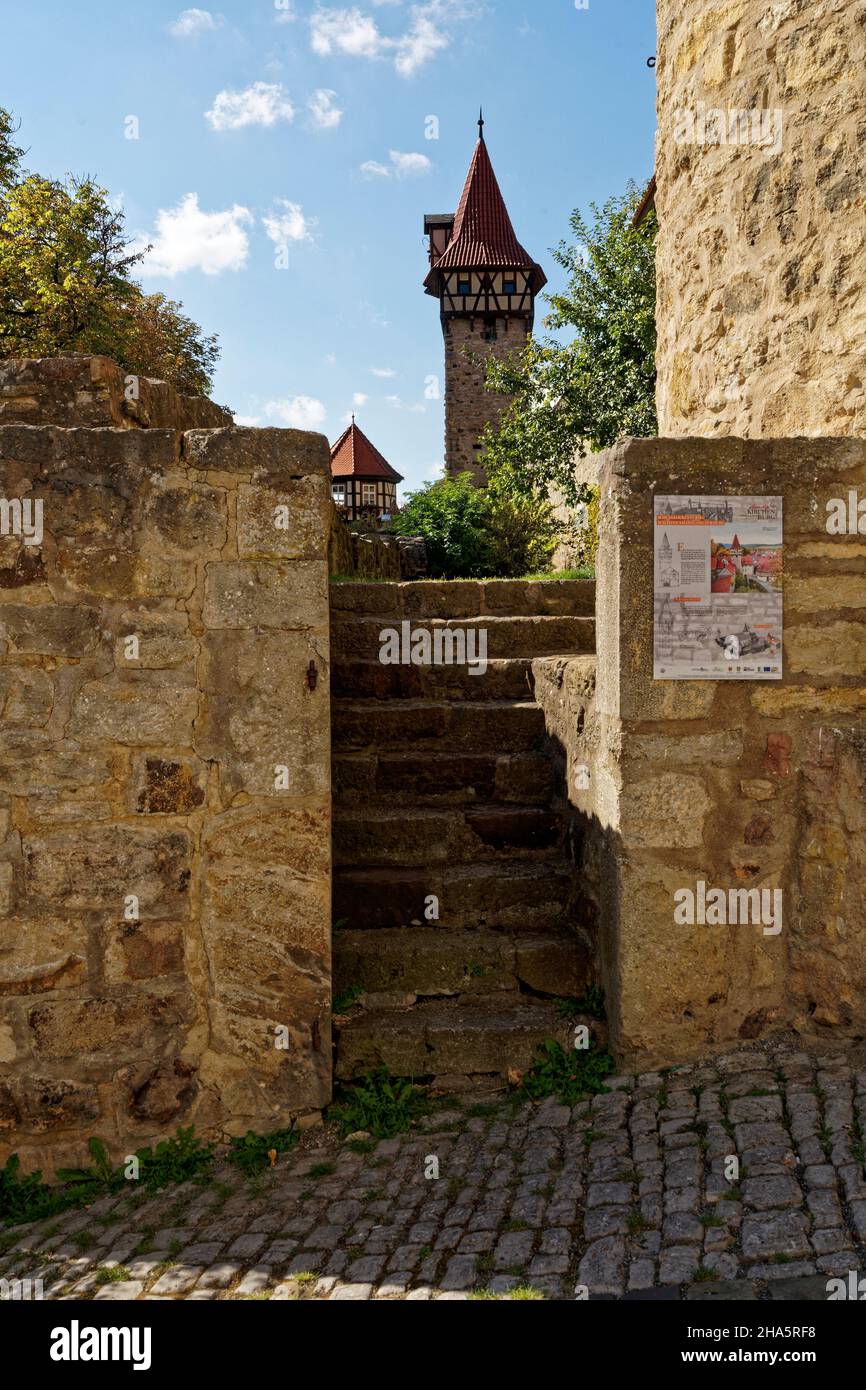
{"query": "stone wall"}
(762, 247)
(739, 784)
(356, 554)
(81, 390)
(469, 406)
(164, 786)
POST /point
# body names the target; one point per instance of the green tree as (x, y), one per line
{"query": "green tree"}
(584, 394)
(10, 153)
(66, 281)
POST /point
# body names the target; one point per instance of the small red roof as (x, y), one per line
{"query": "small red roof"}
(353, 456)
(483, 236)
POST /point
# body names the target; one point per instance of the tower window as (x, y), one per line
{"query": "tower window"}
(509, 287)
(462, 286)
(368, 494)
(490, 330)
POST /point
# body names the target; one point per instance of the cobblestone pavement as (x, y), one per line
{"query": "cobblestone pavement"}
(622, 1196)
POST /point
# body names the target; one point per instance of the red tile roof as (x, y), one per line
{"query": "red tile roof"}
(483, 235)
(353, 456)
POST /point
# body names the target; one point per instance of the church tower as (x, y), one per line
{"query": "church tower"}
(486, 286)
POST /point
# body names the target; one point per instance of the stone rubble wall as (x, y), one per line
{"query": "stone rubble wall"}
(355, 554)
(164, 901)
(762, 248)
(741, 784)
(92, 391)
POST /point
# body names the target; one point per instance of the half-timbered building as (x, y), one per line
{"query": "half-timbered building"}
(363, 483)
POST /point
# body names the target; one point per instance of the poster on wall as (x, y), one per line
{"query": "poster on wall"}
(717, 591)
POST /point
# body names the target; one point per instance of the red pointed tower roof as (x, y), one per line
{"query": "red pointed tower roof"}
(483, 236)
(353, 456)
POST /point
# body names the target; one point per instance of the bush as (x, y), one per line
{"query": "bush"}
(451, 516)
(478, 533)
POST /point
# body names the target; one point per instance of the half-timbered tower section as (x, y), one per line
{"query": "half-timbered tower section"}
(486, 285)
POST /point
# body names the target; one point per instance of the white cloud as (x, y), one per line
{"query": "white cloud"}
(324, 113)
(357, 35)
(288, 223)
(248, 421)
(189, 239)
(299, 413)
(262, 103)
(421, 43)
(285, 13)
(345, 31)
(383, 372)
(359, 398)
(331, 359)
(399, 404)
(402, 166)
(406, 165)
(190, 23)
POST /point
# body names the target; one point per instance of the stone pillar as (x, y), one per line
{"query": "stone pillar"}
(740, 784)
(762, 241)
(165, 841)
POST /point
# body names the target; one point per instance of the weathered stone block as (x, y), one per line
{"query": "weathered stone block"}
(191, 518)
(167, 786)
(264, 454)
(105, 1024)
(289, 596)
(265, 710)
(51, 630)
(99, 867)
(143, 951)
(837, 649)
(148, 712)
(162, 642)
(303, 503)
(161, 1094)
(41, 953)
(664, 811)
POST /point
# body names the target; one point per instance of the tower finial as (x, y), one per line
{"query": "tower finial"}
(480, 123)
(353, 417)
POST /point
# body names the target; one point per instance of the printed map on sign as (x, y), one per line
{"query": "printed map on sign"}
(717, 597)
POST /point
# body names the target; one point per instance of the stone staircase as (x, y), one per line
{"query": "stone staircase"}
(446, 788)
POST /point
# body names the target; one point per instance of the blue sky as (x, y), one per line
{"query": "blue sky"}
(282, 168)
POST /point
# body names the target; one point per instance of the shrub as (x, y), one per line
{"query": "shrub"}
(478, 533)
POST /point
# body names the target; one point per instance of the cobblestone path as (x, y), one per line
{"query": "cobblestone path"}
(624, 1196)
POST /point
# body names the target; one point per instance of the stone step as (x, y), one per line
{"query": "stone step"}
(359, 638)
(506, 726)
(443, 777)
(508, 678)
(457, 1039)
(377, 835)
(521, 895)
(465, 598)
(429, 961)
